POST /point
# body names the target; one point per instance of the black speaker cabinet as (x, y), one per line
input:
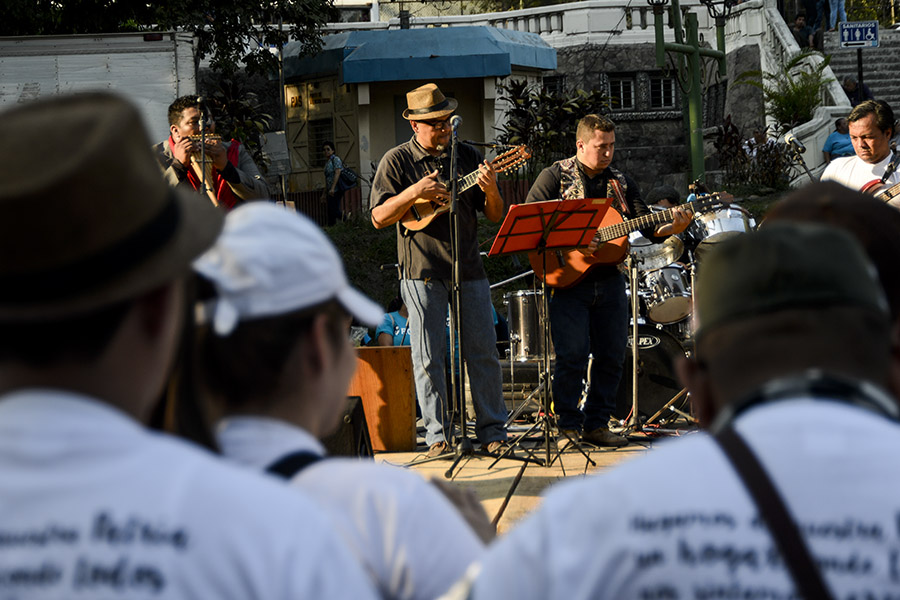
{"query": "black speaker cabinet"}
(352, 436)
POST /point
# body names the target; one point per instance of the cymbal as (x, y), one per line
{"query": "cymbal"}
(650, 257)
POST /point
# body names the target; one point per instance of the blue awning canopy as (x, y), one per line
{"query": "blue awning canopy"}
(431, 53)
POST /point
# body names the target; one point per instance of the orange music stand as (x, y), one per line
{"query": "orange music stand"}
(553, 224)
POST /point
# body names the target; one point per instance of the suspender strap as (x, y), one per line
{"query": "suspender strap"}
(290, 465)
(807, 577)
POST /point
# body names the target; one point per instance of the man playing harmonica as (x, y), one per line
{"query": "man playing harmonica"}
(230, 176)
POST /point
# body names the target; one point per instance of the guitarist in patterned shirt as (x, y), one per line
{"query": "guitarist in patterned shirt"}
(591, 316)
(419, 169)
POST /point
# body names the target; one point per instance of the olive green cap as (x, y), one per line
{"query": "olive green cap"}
(784, 266)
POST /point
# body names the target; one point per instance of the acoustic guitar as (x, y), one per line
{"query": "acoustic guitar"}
(881, 191)
(565, 268)
(424, 211)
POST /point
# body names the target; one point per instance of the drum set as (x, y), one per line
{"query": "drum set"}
(664, 312)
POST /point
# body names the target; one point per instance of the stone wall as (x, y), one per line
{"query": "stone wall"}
(651, 145)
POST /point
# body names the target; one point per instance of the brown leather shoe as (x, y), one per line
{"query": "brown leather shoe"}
(436, 449)
(604, 437)
(498, 447)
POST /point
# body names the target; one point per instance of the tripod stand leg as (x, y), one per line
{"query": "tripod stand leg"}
(463, 449)
(519, 409)
(665, 406)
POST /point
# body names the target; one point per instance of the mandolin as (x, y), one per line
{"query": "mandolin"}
(565, 268)
(424, 211)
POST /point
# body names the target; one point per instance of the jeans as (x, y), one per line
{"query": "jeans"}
(589, 318)
(836, 12)
(820, 14)
(427, 301)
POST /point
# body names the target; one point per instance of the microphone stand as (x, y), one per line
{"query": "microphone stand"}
(797, 156)
(457, 379)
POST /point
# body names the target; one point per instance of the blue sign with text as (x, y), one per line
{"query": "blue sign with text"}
(858, 34)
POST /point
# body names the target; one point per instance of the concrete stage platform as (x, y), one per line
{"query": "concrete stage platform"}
(493, 484)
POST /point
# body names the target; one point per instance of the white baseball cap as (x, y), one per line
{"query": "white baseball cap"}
(270, 261)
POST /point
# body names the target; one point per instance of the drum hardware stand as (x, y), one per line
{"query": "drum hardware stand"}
(668, 406)
(587, 383)
(633, 423)
(545, 227)
(529, 398)
(684, 391)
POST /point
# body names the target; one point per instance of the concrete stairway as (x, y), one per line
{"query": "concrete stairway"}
(880, 65)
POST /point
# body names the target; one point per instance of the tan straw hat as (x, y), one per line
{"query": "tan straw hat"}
(427, 102)
(87, 218)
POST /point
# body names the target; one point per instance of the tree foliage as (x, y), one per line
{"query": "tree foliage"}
(752, 167)
(238, 111)
(793, 92)
(871, 10)
(545, 120)
(229, 32)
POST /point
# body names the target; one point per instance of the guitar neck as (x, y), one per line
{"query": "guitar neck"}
(464, 183)
(622, 229)
(889, 194)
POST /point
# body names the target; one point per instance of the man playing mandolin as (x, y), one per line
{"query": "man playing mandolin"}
(418, 169)
(591, 316)
(871, 130)
(231, 175)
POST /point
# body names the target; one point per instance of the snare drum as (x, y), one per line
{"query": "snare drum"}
(526, 334)
(669, 294)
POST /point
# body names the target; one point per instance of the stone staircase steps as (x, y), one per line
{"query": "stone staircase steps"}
(881, 66)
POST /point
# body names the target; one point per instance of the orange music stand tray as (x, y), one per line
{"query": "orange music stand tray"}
(553, 224)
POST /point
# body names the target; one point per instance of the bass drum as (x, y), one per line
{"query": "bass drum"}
(657, 381)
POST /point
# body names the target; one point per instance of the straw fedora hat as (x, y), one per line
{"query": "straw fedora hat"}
(427, 102)
(87, 218)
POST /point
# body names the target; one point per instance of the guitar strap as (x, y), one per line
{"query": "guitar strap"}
(571, 184)
(622, 184)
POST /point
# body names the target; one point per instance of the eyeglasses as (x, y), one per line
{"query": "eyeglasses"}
(441, 124)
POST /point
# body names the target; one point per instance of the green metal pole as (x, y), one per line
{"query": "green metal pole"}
(695, 101)
(660, 36)
(688, 72)
(720, 45)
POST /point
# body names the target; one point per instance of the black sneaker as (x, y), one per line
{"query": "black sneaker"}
(604, 437)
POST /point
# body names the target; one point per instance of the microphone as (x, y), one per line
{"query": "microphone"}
(455, 122)
(794, 143)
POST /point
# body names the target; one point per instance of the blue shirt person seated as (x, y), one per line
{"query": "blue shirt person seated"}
(838, 143)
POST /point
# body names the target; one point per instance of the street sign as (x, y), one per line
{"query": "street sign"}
(858, 34)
